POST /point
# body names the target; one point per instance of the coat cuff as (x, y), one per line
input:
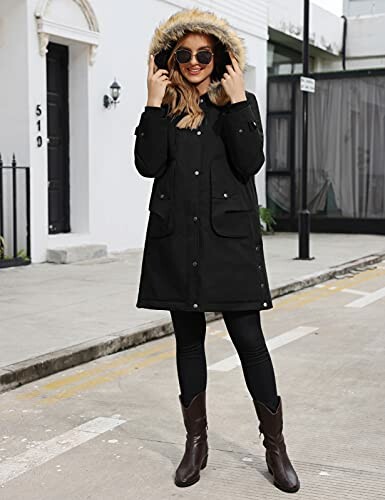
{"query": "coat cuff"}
(236, 106)
(155, 110)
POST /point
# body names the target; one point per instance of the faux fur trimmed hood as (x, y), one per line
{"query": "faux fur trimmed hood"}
(168, 32)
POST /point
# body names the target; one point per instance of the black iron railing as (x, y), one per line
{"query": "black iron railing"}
(15, 240)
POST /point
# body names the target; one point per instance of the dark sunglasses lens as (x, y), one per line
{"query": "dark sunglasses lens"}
(204, 56)
(183, 56)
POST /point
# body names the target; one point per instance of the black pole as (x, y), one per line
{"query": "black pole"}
(14, 204)
(304, 213)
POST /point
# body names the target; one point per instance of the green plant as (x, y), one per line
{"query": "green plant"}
(266, 216)
(2, 247)
(21, 254)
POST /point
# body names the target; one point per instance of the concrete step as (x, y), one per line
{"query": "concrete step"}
(75, 253)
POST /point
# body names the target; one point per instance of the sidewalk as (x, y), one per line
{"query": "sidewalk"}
(54, 316)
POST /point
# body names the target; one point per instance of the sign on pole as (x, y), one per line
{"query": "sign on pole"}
(307, 84)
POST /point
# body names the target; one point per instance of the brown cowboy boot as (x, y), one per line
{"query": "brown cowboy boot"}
(278, 463)
(196, 447)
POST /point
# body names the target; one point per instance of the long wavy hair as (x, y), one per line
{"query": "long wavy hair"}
(183, 97)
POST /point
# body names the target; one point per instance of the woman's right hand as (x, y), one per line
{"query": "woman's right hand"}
(157, 81)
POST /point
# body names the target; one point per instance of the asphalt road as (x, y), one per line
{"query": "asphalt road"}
(112, 428)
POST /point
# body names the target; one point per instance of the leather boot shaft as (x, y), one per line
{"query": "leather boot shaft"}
(196, 446)
(278, 462)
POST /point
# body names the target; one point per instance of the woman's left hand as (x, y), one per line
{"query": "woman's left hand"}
(233, 81)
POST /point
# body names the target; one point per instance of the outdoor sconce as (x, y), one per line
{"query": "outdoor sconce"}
(115, 93)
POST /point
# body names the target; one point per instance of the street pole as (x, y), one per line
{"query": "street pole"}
(304, 213)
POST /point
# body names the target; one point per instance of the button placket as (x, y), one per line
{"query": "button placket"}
(258, 248)
(195, 246)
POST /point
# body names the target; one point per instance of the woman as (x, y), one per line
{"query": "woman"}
(200, 138)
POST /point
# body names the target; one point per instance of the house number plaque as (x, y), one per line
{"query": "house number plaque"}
(39, 139)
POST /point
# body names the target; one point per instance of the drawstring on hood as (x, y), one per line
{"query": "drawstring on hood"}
(167, 34)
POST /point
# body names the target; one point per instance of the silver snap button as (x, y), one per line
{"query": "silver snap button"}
(141, 134)
(195, 306)
(161, 195)
(195, 218)
(240, 130)
(199, 132)
(195, 263)
(265, 304)
(262, 285)
(257, 247)
(225, 195)
(196, 172)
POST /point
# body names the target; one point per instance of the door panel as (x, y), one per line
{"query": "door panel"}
(58, 134)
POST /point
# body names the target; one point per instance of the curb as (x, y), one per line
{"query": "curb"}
(38, 367)
(332, 272)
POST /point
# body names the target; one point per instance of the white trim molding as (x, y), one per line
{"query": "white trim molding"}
(47, 27)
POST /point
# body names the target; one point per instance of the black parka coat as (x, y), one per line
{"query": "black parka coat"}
(203, 248)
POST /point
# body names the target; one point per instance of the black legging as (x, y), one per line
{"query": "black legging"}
(244, 328)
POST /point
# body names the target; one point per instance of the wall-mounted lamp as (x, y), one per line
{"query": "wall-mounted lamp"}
(115, 93)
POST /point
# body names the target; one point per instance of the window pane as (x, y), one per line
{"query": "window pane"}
(278, 195)
(278, 157)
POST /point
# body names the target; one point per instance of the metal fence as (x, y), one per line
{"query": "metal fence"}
(15, 242)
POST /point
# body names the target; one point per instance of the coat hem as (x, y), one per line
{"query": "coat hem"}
(207, 307)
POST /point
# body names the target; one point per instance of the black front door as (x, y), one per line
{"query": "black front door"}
(58, 135)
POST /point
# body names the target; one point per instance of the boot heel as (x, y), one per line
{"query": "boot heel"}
(204, 463)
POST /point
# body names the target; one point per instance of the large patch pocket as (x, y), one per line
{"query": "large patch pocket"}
(161, 219)
(230, 208)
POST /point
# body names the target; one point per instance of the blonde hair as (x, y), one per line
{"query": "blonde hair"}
(182, 97)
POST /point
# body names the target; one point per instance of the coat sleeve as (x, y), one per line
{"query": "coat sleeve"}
(243, 136)
(151, 143)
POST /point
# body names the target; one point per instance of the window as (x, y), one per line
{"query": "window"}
(284, 60)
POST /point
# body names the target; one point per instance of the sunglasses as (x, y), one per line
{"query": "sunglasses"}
(184, 56)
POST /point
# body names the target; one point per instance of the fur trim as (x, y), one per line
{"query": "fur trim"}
(168, 32)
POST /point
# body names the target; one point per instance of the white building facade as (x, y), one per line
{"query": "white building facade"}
(58, 59)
